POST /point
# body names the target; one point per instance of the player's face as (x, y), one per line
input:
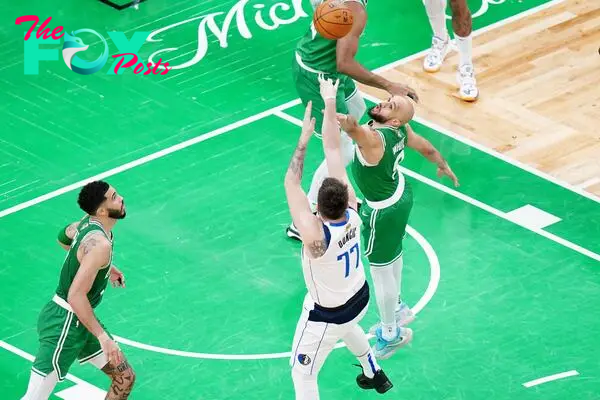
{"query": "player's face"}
(397, 111)
(114, 204)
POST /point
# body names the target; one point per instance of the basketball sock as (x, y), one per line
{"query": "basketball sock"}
(40, 387)
(436, 11)
(358, 344)
(305, 386)
(398, 264)
(386, 294)
(464, 45)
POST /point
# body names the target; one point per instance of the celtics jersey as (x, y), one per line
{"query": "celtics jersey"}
(71, 264)
(379, 182)
(316, 52)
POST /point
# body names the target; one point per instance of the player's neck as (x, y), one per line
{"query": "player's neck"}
(106, 222)
(374, 124)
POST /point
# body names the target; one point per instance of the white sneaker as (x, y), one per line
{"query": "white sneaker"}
(436, 55)
(468, 84)
(404, 316)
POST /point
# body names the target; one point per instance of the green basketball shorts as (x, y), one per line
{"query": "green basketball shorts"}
(384, 229)
(307, 87)
(63, 339)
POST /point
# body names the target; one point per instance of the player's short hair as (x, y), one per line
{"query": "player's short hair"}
(332, 200)
(91, 196)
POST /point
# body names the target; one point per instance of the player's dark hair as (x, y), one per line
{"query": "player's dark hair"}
(332, 200)
(91, 196)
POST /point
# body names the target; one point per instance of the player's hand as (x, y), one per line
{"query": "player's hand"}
(399, 89)
(111, 349)
(117, 279)
(308, 124)
(328, 87)
(347, 122)
(445, 170)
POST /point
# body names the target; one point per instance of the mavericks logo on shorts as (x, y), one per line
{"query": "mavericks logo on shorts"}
(303, 359)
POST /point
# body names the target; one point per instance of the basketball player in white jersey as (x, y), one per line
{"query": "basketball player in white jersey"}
(338, 293)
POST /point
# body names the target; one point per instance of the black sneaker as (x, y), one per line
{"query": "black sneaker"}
(379, 382)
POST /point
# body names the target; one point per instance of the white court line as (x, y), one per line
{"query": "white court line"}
(144, 160)
(249, 120)
(434, 280)
(550, 378)
(479, 204)
(31, 358)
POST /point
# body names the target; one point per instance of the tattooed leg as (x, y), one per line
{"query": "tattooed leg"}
(122, 377)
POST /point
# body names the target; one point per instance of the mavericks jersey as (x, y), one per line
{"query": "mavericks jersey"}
(379, 182)
(337, 275)
(71, 264)
(316, 52)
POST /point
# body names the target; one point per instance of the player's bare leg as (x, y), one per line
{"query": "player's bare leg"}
(122, 377)
(462, 24)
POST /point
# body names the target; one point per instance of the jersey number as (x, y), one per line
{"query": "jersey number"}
(346, 257)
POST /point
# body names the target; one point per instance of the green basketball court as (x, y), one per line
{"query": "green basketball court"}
(503, 270)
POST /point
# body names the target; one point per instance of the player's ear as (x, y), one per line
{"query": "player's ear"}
(396, 123)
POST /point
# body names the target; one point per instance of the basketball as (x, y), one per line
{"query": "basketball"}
(333, 20)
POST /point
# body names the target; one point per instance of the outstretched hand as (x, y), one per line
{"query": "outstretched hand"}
(308, 124)
(347, 122)
(328, 87)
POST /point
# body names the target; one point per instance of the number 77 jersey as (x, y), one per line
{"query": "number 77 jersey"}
(337, 275)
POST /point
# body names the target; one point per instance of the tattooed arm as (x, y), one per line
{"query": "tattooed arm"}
(305, 221)
(66, 235)
(93, 254)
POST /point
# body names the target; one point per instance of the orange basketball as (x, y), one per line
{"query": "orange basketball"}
(332, 19)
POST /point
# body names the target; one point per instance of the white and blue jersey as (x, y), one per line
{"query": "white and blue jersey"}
(336, 280)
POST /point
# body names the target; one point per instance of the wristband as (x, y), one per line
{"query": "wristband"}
(329, 98)
(63, 238)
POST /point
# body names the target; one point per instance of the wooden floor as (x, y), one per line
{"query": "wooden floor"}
(539, 82)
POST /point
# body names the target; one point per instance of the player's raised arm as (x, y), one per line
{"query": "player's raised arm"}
(95, 254)
(347, 48)
(305, 221)
(331, 138)
(367, 140)
(423, 146)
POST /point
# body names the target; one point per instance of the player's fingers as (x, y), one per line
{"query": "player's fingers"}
(308, 110)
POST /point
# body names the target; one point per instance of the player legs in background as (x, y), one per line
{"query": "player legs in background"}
(440, 43)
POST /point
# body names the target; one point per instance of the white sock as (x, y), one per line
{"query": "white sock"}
(305, 386)
(40, 387)
(398, 264)
(436, 11)
(358, 344)
(386, 294)
(347, 150)
(464, 45)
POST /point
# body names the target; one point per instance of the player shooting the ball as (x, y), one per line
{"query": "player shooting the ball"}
(315, 56)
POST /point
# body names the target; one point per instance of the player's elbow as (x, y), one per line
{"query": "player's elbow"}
(73, 296)
(343, 65)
